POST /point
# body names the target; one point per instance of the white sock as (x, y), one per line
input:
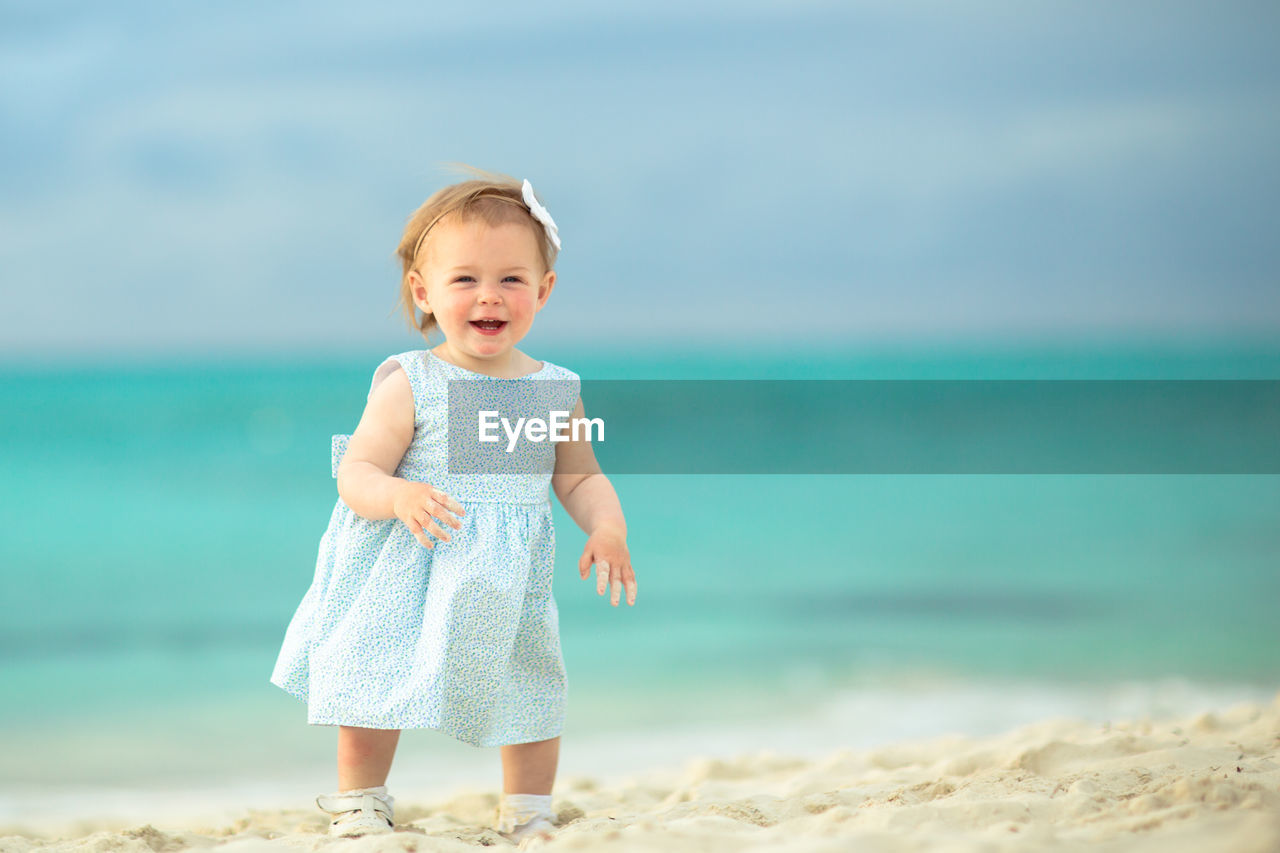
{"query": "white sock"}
(519, 811)
(380, 792)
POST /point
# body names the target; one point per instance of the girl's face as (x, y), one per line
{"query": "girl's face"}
(483, 284)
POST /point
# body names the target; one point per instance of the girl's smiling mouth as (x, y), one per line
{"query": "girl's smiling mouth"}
(488, 327)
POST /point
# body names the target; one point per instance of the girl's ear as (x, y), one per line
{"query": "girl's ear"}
(544, 288)
(418, 288)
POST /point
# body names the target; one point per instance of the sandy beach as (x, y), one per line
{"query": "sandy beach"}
(1206, 782)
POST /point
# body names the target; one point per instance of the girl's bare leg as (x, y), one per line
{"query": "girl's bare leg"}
(364, 756)
(530, 768)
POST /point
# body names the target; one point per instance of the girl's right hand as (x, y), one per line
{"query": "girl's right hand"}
(418, 505)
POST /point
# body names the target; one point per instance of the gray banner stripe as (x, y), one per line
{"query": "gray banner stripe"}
(915, 426)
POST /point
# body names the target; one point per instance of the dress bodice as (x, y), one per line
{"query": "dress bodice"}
(446, 451)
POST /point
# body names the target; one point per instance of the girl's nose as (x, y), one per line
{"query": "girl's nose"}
(489, 293)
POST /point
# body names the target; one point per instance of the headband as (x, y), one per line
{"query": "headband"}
(535, 209)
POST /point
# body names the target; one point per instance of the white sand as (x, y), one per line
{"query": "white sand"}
(1209, 782)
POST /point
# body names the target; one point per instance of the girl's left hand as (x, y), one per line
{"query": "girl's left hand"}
(608, 550)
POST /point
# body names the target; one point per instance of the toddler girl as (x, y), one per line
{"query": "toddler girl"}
(431, 605)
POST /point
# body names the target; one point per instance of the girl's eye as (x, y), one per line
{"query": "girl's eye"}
(514, 278)
(463, 279)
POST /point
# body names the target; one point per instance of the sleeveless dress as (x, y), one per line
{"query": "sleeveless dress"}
(462, 637)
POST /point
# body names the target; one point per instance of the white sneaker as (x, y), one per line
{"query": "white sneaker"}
(535, 833)
(363, 811)
(526, 819)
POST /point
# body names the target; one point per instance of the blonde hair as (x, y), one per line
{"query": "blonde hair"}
(493, 198)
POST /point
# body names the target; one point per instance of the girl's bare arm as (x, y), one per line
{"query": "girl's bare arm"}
(591, 501)
(582, 488)
(366, 475)
(366, 480)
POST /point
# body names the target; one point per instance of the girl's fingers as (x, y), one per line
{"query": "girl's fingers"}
(416, 529)
(609, 580)
(437, 509)
(435, 529)
(448, 503)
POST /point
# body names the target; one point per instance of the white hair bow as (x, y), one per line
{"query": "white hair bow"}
(540, 213)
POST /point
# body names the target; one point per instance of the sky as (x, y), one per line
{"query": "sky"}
(234, 177)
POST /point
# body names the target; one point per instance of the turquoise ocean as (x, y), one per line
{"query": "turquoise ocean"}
(161, 523)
